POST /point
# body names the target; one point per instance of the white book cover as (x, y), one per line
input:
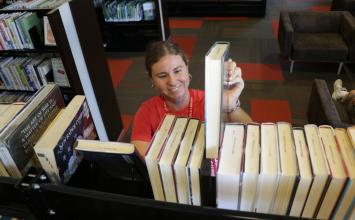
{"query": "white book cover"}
(320, 170)
(251, 168)
(269, 168)
(287, 167)
(214, 74)
(230, 166)
(181, 176)
(345, 205)
(305, 172)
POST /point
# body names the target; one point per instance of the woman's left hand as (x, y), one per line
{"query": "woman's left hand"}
(233, 86)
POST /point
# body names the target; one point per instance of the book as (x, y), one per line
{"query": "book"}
(59, 73)
(19, 136)
(208, 186)
(118, 159)
(48, 34)
(251, 167)
(320, 171)
(214, 74)
(152, 155)
(337, 172)
(9, 113)
(351, 133)
(305, 172)
(269, 168)
(345, 204)
(167, 158)
(230, 167)
(287, 167)
(194, 166)
(55, 149)
(180, 173)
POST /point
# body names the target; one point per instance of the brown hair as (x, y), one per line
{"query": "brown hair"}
(156, 50)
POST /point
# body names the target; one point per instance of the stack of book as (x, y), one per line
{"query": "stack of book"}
(271, 168)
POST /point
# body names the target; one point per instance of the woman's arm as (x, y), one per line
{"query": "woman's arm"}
(141, 147)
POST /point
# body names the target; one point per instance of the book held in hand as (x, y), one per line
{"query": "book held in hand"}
(214, 75)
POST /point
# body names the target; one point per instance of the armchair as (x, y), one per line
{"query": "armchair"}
(323, 110)
(343, 5)
(317, 37)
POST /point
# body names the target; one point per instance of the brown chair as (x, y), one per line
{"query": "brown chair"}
(343, 5)
(323, 110)
(317, 36)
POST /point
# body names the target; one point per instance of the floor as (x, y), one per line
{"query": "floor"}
(271, 93)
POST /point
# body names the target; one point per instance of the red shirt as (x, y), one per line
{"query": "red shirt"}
(152, 112)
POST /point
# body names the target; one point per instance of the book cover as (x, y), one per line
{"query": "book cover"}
(320, 171)
(230, 167)
(287, 166)
(269, 168)
(167, 158)
(251, 167)
(305, 173)
(21, 134)
(338, 175)
(180, 174)
(345, 204)
(55, 149)
(194, 166)
(155, 148)
(208, 173)
(214, 74)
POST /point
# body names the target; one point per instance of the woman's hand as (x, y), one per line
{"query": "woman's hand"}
(233, 86)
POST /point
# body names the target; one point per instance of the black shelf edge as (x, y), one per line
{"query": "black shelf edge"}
(49, 49)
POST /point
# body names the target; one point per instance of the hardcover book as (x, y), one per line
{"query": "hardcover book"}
(230, 167)
(155, 148)
(214, 74)
(19, 136)
(55, 149)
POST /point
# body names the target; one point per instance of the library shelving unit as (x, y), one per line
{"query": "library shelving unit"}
(134, 35)
(39, 46)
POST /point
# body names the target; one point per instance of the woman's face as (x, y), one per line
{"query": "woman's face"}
(171, 79)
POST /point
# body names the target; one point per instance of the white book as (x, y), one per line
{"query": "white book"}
(194, 165)
(351, 133)
(269, 165)
(214, 74)
(230, 166)
(305, 173)
(336, 168)
(167, 159)
(181, 176)
(287, 166)
(320, 171)
(251, 168)
(345, 205)
(152, 156)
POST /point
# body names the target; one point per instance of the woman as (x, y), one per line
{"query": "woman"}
(167, 68)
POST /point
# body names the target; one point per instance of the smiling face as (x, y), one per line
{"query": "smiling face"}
(171, 79)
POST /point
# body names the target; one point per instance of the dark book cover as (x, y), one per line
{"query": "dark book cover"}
(208, 173)
(80, 127)
(21, 134)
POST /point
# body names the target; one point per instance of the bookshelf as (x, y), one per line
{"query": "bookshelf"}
(39, 47)
(133, 35)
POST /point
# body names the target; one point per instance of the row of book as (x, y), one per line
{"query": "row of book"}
(33, 4)
(269, 168)
(30, 73)
(20, 30)
(43, 133)
(9, 97)
(123, 11)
